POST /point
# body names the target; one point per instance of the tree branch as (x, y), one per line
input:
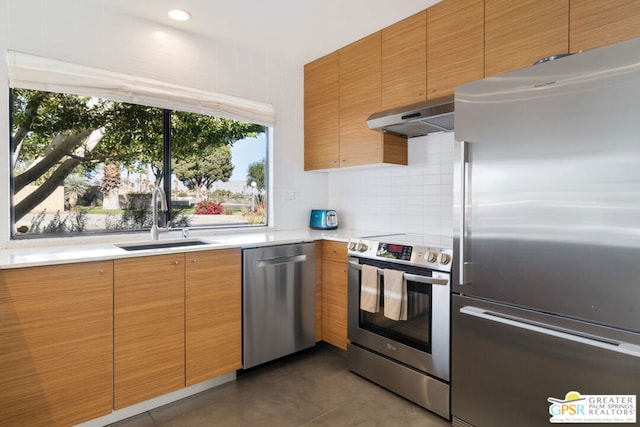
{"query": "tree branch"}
(30, 113)
(45, 190)
(59, 148)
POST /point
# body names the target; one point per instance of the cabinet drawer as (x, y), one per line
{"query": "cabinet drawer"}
(334, 251)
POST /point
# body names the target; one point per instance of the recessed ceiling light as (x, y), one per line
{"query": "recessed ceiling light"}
(179, 15)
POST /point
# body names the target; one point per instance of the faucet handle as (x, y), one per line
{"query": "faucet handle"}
(185, 233)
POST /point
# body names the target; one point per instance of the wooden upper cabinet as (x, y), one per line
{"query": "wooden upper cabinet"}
(404, 62)
(596, 23)
(520, 32)
(213, 314)
(56, 344)
(455, 45)
(321, 101)
(148, 327)
(360, 96)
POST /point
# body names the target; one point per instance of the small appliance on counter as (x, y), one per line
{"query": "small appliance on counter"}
(323, 219)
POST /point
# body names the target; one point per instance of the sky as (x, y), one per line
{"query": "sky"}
(246, 151)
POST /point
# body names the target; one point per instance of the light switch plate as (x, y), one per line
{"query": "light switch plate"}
(289, 196)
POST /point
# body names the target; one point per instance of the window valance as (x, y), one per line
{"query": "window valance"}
(36, 72)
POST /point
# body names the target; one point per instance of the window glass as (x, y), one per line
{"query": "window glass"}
(89, 165)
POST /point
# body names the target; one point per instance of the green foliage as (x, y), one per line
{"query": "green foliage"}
(129, 219)
(73, 222)
(194, 133)
(256, 173)
(74, 187)
(139, 218)
(201, 169)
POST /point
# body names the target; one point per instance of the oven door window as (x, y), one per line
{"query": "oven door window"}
(416, 330)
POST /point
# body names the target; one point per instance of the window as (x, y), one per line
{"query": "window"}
(84, 164)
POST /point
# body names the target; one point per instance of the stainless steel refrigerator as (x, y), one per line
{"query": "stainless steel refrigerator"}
(546, 286)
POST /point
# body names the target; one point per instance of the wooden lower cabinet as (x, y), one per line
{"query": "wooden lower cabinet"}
(148, 327)
(213, 314)
(56, 344)
(334, 293)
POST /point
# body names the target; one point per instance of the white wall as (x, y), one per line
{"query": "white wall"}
(415, 199)
(85, 33)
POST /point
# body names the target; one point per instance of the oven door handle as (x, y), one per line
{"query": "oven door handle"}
(407, 276)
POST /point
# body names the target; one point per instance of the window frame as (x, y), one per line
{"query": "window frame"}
(166, 183)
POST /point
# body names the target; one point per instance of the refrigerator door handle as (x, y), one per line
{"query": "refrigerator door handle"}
(543, 328)
(464, 182)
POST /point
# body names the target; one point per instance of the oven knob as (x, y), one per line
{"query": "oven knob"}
(361, 247)
(444, 259)
(352, 246)
(431, 256)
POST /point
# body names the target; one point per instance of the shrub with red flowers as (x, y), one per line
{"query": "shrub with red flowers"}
(209, 207)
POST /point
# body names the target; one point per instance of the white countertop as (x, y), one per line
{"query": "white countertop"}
(68, 250)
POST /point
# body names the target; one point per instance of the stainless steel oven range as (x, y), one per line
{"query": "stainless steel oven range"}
(398, 318)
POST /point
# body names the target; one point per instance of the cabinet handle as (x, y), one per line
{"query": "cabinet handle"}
(176, 262)
(194, 260)
(101, 271)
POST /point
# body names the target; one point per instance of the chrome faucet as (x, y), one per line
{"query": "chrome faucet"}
(154, 203)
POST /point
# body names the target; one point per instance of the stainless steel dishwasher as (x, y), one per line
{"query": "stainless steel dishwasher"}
(279, 301)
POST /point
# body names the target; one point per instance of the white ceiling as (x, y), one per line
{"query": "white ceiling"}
(294, 30)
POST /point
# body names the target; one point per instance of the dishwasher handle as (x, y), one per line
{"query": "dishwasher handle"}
(280, 260)
(543, 328)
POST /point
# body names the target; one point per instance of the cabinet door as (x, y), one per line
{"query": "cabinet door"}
(321, 101)
(519, 32)
(404, 62)
(596, 23)
(455, 45)
(148, 327)
(334, 303)
(56, 344)
(334, 293)
(334, 251)
(213, 314)
(360, 96)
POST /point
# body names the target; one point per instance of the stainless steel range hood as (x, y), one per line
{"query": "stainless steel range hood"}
(416, 119)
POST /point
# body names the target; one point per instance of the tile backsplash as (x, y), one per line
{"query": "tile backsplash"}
(417, 198)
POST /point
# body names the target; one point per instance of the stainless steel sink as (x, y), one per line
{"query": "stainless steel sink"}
(161, 245)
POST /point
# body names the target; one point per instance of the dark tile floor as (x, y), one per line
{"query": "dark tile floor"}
(311, 388)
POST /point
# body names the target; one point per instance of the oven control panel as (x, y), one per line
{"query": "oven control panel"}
(412, 254)
(394, 251)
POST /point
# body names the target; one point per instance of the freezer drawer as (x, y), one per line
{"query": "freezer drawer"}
(507, 362)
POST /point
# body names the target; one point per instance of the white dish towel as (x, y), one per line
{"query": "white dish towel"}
(395, 295)
(370, 289)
